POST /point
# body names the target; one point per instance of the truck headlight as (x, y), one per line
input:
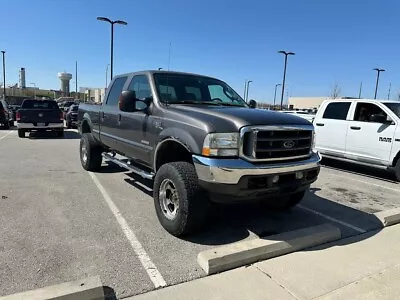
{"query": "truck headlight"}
(313, 141)
(221, 144)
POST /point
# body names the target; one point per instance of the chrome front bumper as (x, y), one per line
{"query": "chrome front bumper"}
(230, 171)
(32, 126)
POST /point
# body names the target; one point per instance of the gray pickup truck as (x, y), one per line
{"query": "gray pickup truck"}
(200, 142)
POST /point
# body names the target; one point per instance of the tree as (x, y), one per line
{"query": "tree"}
(336, 91)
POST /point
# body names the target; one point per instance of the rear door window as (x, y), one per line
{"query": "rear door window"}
(336, 110)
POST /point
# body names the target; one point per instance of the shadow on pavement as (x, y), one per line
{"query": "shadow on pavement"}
(232, 223)
(68, 135)
(109, 167)
(228, 223)
(353, 168)
(109, 293)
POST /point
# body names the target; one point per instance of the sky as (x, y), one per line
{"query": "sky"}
(336, 42)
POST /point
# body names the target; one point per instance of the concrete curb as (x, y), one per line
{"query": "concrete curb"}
(246, 252)
(86, 289)
(389, 217)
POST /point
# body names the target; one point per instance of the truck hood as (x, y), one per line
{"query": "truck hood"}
(226, 119)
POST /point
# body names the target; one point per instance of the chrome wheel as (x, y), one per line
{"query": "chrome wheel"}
(84, 152)
(169, 199)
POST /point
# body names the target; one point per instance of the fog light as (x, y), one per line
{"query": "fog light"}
(299, 175)
(275, 179)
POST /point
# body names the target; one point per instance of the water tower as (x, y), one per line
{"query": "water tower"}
(65, 78)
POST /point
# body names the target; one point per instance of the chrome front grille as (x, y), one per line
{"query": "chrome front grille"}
(275, 143)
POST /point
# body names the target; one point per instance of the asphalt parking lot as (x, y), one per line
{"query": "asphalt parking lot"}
(60, 223)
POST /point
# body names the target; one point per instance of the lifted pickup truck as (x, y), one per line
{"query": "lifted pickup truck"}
(199, 141)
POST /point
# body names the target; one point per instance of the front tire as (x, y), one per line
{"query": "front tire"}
(21, 133)
(397, 170)
(90, 153)
(180, 203)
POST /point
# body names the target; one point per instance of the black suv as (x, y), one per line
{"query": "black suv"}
(5, 115)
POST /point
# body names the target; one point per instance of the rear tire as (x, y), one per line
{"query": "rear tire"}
(284, 203)
(397, 170)
(69, 126)
(6, 125)
(21, 133)
(60, 133)
(189, 203)
(11, 123)
(90, 153)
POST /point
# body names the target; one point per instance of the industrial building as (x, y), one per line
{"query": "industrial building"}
(305, 102)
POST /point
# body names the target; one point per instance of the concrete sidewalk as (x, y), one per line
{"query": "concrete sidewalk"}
(362, 267)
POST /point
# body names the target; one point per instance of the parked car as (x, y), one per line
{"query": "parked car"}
(199, 141)
(302, 114)
(5, 115)
(39, 115)
(71, 117)
(361, 131)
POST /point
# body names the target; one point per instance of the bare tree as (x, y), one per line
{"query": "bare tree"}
(336, 90)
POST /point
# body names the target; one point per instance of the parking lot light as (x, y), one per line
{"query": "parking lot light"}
(377, 79)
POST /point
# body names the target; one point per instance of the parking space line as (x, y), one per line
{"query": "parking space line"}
(365, 182)
(6, 134)
(332, 219)
(148, 265)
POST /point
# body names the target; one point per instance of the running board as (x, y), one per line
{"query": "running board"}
(128, 166)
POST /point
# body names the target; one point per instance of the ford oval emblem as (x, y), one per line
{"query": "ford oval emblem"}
(289, 144)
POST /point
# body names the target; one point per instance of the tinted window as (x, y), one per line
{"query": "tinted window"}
(39, 104)
(364, 111)
(337, 110)
(394, 107)
(186, 88)
(141, 86)
(115, 91)
(1, 104)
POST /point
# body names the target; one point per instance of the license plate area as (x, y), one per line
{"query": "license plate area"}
(41, 124)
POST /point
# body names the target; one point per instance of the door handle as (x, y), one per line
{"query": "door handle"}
(320, 124)
(102, 114)
(119, 117)
(355, 127)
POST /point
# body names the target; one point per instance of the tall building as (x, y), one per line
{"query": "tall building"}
(22, 81)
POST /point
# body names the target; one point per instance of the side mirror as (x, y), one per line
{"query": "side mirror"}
(379, 119)
(128, 102)
(252, 103)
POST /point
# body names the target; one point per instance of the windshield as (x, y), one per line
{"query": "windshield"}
(39, 104)
(186, 89)
(394, 107)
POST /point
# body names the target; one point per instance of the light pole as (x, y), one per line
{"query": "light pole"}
(112, 37)
(34, 90)
(284, 73)
(76, 78)
(107, 75)
(377, 79)
(4, 74)
(276, 86)
(247, 89)
(359, 92)
(390, 89)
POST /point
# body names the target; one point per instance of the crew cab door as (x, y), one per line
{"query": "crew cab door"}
(109, 115)
(133, 127)
(331, 128)
(369, 141)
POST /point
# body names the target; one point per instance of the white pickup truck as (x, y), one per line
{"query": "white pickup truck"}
(362, 131)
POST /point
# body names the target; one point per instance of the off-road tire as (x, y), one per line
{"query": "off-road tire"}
(93, 153)
(193, 201)
(21, 133)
